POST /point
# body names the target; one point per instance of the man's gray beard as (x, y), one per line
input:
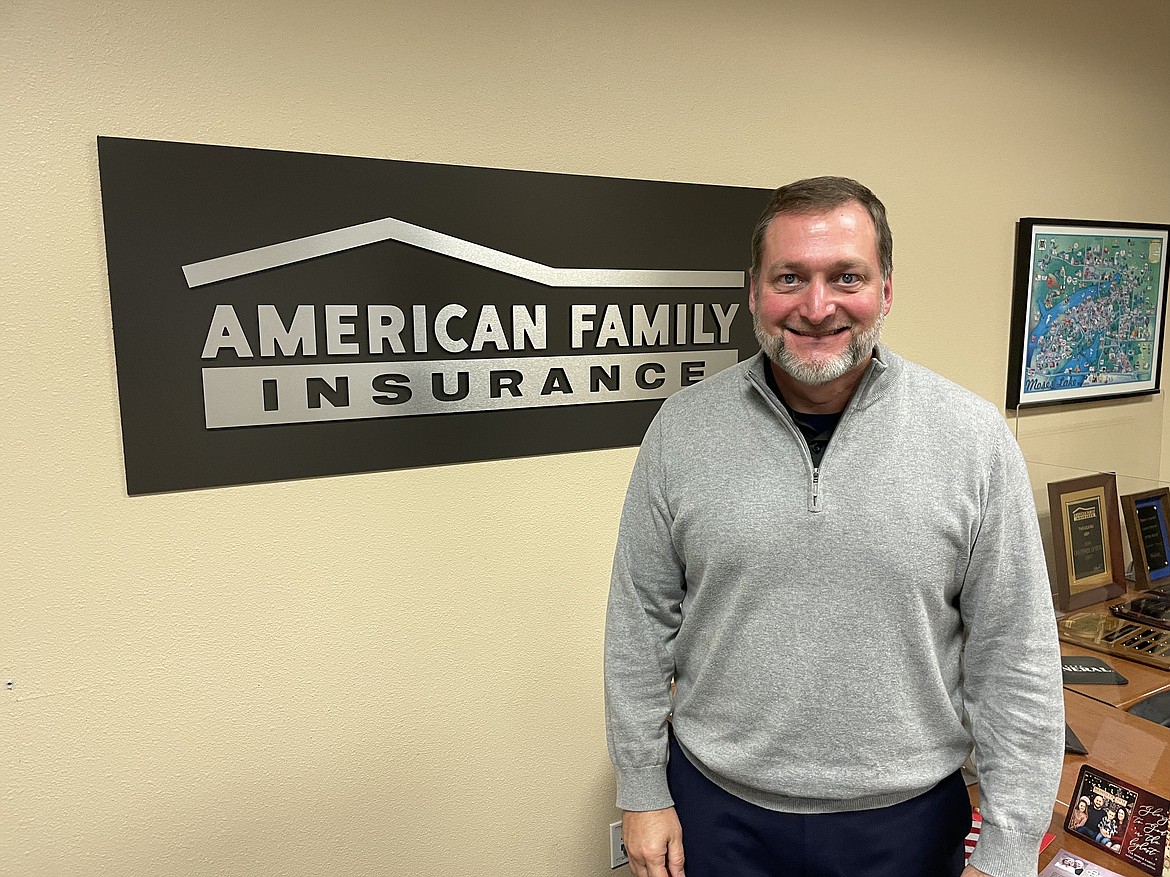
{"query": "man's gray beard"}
(861, 345)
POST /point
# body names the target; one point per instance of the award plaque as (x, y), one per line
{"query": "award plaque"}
(1149, 539)
(1086, 540)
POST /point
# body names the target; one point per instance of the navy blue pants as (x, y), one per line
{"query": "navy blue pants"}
(725, 836)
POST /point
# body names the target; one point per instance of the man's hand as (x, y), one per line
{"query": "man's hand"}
(653, 840)
(973, 872)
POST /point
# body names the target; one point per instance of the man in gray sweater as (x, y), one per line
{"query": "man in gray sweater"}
(834, 556)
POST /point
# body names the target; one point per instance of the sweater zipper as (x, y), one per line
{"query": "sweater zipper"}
(769, 396)
(815, 495)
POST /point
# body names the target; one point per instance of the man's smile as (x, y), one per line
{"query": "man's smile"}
(817, 333)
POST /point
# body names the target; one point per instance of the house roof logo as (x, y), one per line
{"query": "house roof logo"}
(351, 237)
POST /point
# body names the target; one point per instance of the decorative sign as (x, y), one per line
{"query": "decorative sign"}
(1088, 306)
(1121, 819)
(1086, 670)
(1086, 539)
(284, 315)
(1149, 540)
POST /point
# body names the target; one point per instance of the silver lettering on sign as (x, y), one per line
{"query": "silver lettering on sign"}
(275, 394)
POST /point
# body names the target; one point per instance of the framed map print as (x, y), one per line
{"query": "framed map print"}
(1088, 310)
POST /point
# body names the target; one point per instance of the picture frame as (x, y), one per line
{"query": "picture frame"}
(1088, 563)
(1120, 818)
(1088, 310)
(1149, 536)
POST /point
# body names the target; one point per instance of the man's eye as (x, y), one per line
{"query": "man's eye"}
(848, 278)
(788, 279)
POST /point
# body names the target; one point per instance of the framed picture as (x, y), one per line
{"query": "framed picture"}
(1086, 540)
(1088, 307)
(1149, 538)
(1122, 819)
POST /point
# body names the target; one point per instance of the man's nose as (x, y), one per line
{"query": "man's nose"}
(819, 302)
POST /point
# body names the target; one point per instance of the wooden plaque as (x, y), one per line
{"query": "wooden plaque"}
(1086, 540)
(1149, 538)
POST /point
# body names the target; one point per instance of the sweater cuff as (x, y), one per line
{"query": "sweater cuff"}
(1004, 853)
(643, 788)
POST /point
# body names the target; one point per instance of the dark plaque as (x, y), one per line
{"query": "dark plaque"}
(1086, 538)
(1150, 524)
(1145, 521)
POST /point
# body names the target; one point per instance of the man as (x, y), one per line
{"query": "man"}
(1096, 814)
(834, 556)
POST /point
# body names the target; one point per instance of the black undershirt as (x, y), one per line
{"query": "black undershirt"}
(817, 429)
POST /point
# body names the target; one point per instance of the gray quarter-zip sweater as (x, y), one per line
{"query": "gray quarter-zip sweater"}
(840, 636)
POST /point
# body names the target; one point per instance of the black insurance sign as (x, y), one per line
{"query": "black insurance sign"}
(285, 315)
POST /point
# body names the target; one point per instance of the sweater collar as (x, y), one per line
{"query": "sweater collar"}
(881, 374)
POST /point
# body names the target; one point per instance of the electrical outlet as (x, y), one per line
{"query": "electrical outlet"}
(617, 849)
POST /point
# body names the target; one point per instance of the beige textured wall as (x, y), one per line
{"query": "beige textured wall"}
(399, 672)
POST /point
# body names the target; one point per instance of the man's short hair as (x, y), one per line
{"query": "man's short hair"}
(819, 195)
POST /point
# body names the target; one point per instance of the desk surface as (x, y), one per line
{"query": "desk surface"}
(1133, 750)
(1143, 680)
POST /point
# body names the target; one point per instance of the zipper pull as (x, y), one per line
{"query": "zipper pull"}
(816, 489)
